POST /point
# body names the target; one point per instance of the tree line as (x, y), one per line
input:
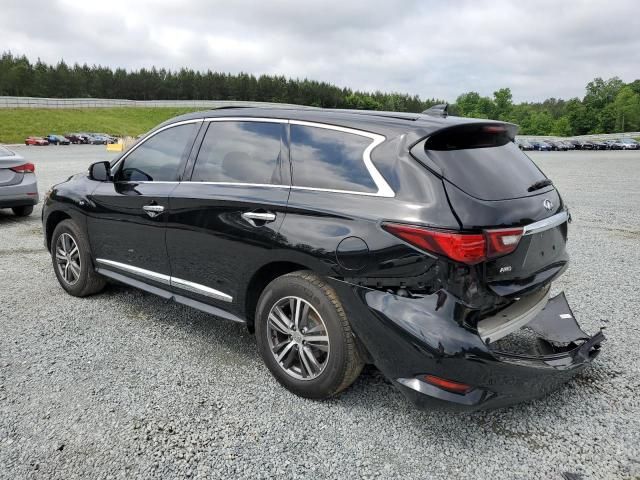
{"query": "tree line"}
(608, 105)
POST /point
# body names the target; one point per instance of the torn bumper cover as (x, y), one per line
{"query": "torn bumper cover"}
(416, 340)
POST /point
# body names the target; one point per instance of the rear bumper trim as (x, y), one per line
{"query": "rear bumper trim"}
(546, 224)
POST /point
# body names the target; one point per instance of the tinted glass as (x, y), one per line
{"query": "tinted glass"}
(330, 159)
(493, 173)
(5, 153)
(240, 152)
(158, 158)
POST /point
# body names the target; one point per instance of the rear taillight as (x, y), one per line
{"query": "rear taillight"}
(24, 168)
(503, 241)
(469, 248)
(461, 247)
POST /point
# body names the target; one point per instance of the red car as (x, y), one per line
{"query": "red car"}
(36, 141)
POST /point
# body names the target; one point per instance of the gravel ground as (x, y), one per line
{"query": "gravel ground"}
(124, 384)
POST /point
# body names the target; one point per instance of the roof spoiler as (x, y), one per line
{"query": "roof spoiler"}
(440, 110)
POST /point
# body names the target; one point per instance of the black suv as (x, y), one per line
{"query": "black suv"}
(420, 243)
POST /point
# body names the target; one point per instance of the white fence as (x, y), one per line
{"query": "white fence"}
(36, 102)
(597, 136)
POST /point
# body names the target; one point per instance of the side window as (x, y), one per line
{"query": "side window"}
(330, 159)
(158, 158)
(240, 152)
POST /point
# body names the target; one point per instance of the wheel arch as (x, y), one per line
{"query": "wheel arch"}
(258, 282)
(53, 219)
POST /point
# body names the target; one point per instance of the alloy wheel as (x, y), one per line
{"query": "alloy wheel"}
(298, 338)
(68, 259)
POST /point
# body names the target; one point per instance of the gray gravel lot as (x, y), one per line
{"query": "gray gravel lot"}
(123, 384)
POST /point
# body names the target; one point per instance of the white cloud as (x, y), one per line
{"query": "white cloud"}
(539, 48)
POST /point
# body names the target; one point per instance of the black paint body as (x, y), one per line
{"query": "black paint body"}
(203, 238)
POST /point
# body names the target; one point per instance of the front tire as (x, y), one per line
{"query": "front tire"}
(23, 211)
(72, 263)
(304, 337)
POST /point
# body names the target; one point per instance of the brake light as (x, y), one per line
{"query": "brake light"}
(469, 248)
(449, 385)
(24, 168)
(501, 242)
(461, 247)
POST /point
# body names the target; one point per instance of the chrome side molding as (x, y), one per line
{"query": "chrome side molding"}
(156, 277)
(200, 289)
(168, 280)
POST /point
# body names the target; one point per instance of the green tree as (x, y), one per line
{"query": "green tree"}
(626, 107)
(503, 101)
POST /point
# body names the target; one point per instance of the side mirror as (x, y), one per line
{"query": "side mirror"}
(100, 171)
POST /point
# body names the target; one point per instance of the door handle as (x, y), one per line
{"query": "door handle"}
(153, 210)
(263, 217)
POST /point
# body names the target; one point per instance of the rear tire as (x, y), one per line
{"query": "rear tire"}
(322, 357)
(72, 262)
(23, 211)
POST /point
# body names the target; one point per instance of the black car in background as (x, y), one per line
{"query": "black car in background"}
(76, 138)
(420, 243)
(541, 146)
(557, 145)
(54, 139)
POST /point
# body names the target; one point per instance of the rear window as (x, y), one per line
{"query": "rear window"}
(4, 152)
(486, 165)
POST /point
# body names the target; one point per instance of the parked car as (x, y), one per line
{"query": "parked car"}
(625, 144)
(556, 145)
(36, 141)
(108, 138)
(524, 145)
(568, 145)
(18, 185)
(588, 145)
(610, 145)
(57, 140)
(599, 145)
(540, 145)
(577, 144)
(75, 138)
(97, 140)
(336, 239)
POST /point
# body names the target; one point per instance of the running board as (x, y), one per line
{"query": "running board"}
(189, 302)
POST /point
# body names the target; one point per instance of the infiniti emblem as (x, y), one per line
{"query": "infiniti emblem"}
(548, 204)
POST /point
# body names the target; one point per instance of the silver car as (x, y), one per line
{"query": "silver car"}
(18, 185)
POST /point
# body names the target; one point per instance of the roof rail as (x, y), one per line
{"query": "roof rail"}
(440, 110)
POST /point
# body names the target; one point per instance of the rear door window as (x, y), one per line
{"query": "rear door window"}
(330, 159)
(240, 152)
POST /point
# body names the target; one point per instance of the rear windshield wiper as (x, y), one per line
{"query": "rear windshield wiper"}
(540, 184)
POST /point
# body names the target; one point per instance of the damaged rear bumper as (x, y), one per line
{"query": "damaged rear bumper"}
(413, 339)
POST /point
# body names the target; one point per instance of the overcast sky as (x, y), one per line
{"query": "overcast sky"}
(540, 49)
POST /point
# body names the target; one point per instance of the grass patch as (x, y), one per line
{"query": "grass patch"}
(18, 123)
